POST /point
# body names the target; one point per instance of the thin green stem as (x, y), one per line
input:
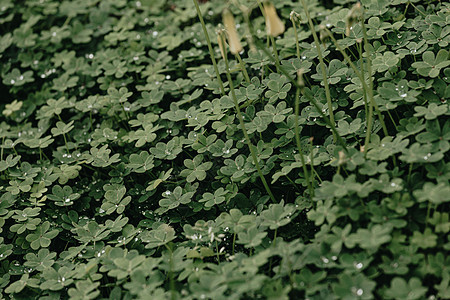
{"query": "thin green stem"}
(90, 120)
(312, 165)
(295, 83)
(372, 101)
(392, 119)
(1, 154)
(318, 176)
(275, 53)
(424, 14)
(234, 243)
(428, 215)
(293, 183)
(363, 82)
(362, 70)
(299, 145)
(409, 172)
(264, 15)
(217, 251)
(322, 66)
(125, 112)
(170, 274)
(406, 9)
(211, 51)
(244, 130)
(297, 46)
(243, 69)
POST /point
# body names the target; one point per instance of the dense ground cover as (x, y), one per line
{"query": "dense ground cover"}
(125, 172)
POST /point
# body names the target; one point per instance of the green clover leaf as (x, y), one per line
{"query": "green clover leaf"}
(42, 236)
(431, 64)
(383, 62)
(158, 237)
(400, 289)
(195, 168)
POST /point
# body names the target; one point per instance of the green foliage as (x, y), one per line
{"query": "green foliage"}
(124, 172)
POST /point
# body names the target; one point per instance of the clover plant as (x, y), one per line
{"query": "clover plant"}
(145, 156)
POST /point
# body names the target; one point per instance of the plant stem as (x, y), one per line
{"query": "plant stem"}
(275, 53)
(295, 83)
(211, 51)
(90, 119)
(243, 69)
(362, 70)
(274, 243)
(234, 243)
(244, 130)
(322, 66)
(170, 274)
(363, 82)
(312, 165)
(299, 146)
(297, 46)
(264, 15)
(372, 101)
(1, 154)
(218, 256)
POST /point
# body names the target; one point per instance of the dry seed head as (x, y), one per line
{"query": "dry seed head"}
(300, 81)
(230, 27)
(342, 158)
(274, 25)
(295, 17)
(222, 48)
(324, 34)
(353, 16)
